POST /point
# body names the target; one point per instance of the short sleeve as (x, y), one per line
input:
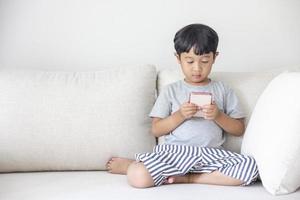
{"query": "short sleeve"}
(162, 106)
(233, 107)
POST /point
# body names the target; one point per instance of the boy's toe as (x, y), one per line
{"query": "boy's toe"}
(108, 168)
(170, 180)
(109, 161)
(108, 165)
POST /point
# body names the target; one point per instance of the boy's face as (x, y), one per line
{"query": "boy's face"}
(196, 68)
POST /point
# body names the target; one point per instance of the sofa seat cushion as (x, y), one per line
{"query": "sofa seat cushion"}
(95, 185)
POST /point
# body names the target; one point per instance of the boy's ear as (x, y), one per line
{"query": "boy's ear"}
(215, 56)
(177, 57)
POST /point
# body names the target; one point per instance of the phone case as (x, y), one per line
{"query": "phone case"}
(200, 99)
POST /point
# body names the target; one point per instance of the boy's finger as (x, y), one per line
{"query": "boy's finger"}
(206, 106)
(192, 110)
(192, 104)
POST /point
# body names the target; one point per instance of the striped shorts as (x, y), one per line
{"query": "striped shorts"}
(177, 160)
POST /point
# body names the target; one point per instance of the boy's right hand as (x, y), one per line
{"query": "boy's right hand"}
(188, 110)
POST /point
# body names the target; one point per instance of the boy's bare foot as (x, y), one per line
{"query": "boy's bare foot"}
(118, 165)
(213, 178)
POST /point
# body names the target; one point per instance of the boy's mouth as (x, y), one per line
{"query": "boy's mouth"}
(196, 76)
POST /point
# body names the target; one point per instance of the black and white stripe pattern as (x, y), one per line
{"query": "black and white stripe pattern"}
(175, 160)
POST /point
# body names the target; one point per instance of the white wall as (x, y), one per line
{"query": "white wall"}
(90, 34)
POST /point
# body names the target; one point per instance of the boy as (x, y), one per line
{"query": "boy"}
(192, 152)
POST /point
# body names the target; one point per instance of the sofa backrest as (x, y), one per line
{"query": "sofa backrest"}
(74, 120)
(247, 85)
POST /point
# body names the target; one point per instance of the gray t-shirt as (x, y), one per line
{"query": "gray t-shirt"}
(196, 131)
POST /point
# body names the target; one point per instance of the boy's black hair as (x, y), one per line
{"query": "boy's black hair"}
(198, 36)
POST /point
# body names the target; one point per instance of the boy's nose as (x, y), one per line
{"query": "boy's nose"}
(197, 67)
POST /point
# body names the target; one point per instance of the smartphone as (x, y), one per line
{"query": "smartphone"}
(200, 99)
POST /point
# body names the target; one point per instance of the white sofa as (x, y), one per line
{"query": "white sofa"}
(58, 129)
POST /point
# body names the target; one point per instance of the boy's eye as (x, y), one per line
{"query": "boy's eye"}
(204, 61)
(190, 62)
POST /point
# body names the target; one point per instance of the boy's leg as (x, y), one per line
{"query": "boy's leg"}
(118, 165)
(138, 176)
(213, 178)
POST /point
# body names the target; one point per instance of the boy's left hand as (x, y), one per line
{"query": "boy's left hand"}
(211, 111)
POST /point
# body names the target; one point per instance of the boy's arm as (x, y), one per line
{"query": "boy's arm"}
(164, 126)
(232, 126)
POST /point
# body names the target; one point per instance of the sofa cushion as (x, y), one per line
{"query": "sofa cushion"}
(247, 85)
(273, 134)
(74, 120)
(100, 185)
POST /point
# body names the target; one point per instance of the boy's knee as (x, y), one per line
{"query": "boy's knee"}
(138, 176)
